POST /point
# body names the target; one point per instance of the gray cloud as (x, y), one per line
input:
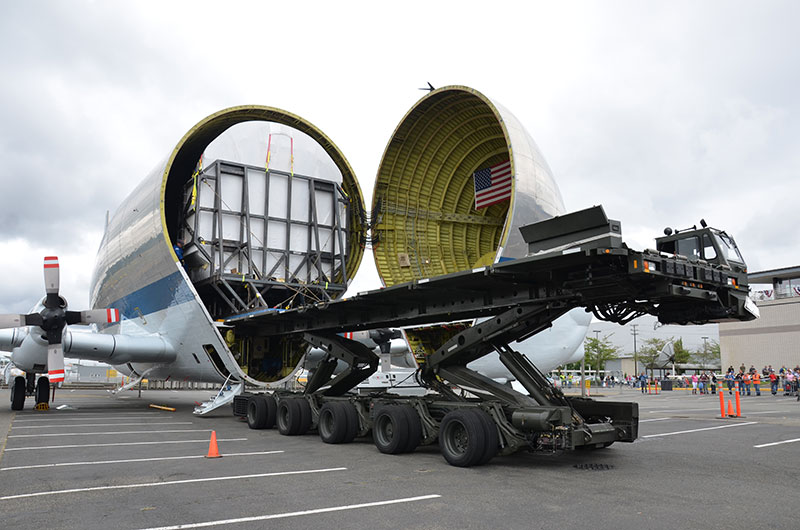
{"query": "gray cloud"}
(664, 115)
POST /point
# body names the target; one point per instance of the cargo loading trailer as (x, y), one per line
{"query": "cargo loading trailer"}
(576, 260)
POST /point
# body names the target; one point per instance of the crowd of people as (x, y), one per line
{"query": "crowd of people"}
(747, 381)
(784, 380)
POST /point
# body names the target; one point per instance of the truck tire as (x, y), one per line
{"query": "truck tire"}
(390, 430)
(352, 422)
(333, 424)
(462, 438)
(43, 390)
(414, 428)
(492, 438)
(257, 412)
(272, 411)
(18, 393)
(294, 416)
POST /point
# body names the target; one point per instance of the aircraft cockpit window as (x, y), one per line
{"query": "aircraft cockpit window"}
(709, 252)
(689, 247)
(729, 249)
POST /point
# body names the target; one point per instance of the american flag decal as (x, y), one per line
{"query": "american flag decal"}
(492, 185)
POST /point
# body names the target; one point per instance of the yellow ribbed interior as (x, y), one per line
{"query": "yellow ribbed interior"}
(426, 223)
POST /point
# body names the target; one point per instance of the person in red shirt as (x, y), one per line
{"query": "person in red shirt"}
(773, 382)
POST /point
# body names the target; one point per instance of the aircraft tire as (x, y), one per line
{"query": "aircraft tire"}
(257, 412)
(294, 416)
(492, 438)
(414, 428)
(390, 430)
(18, 393)
(333, 423)
(43, 390)
(352, 422)
(462, 438)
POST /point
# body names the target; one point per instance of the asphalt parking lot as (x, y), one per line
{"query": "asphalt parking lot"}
(113, 462)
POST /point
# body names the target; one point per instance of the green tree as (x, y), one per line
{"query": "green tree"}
(681, 354)
(648, 354)
(708, 355)
(597, 352)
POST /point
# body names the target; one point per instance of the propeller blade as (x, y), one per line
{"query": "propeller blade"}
(51, 276)
(55, 363)
(12, 321)
(100, 316)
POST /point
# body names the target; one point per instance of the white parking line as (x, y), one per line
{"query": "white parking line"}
(665, 411)
(57, 425)
(703, 429)
(81, 418)
(777, 443)
(294, 514)
(120, 443)
(70, 415)
(107, 433)
(656, 419)
(131, 460)
(169, 483)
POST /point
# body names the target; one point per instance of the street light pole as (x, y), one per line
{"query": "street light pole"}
(583, 367)
(635, 354)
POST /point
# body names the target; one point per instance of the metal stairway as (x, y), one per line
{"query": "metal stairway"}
(223, 397)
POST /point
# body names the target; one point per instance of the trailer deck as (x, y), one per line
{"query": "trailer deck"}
(579, 260)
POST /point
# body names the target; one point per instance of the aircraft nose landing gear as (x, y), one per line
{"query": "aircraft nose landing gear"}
(21, 386)
(42, 391)
(18, 388)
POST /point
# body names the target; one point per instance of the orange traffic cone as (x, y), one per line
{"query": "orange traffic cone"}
(213, 451)
(730, 411)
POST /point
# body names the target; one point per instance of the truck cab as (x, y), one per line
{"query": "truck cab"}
(707, 244)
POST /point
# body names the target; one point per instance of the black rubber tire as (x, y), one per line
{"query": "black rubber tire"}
(414, 428)
(305, 416)
(284, 416)
(333, 423)
(272, 411)
(43, 390)
(462, 438)
(353, 425)
(492, 438)
(18, 393)
(294, 416)
(257, 412)
(390, 430)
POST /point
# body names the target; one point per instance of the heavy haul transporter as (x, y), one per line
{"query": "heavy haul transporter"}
(576, 260)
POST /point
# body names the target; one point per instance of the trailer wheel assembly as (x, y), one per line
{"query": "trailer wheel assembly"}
(257, 412)
(261, 412)
(336, 423)
(390, 430)
(490, 432)
(414, 428)
(294, 416)
(463, 438)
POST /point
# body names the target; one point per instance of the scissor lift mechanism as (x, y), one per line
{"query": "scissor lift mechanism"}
(521, 298)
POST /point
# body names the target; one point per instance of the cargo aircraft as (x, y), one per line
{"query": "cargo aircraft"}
(256, 209)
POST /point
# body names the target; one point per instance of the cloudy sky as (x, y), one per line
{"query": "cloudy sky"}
(664, 112)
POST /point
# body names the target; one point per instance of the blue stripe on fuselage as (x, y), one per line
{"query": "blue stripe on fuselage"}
(166, 292)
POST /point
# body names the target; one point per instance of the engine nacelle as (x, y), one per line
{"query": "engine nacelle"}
(31, 355)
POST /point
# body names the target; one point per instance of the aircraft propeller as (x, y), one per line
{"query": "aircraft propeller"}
(54, 317)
